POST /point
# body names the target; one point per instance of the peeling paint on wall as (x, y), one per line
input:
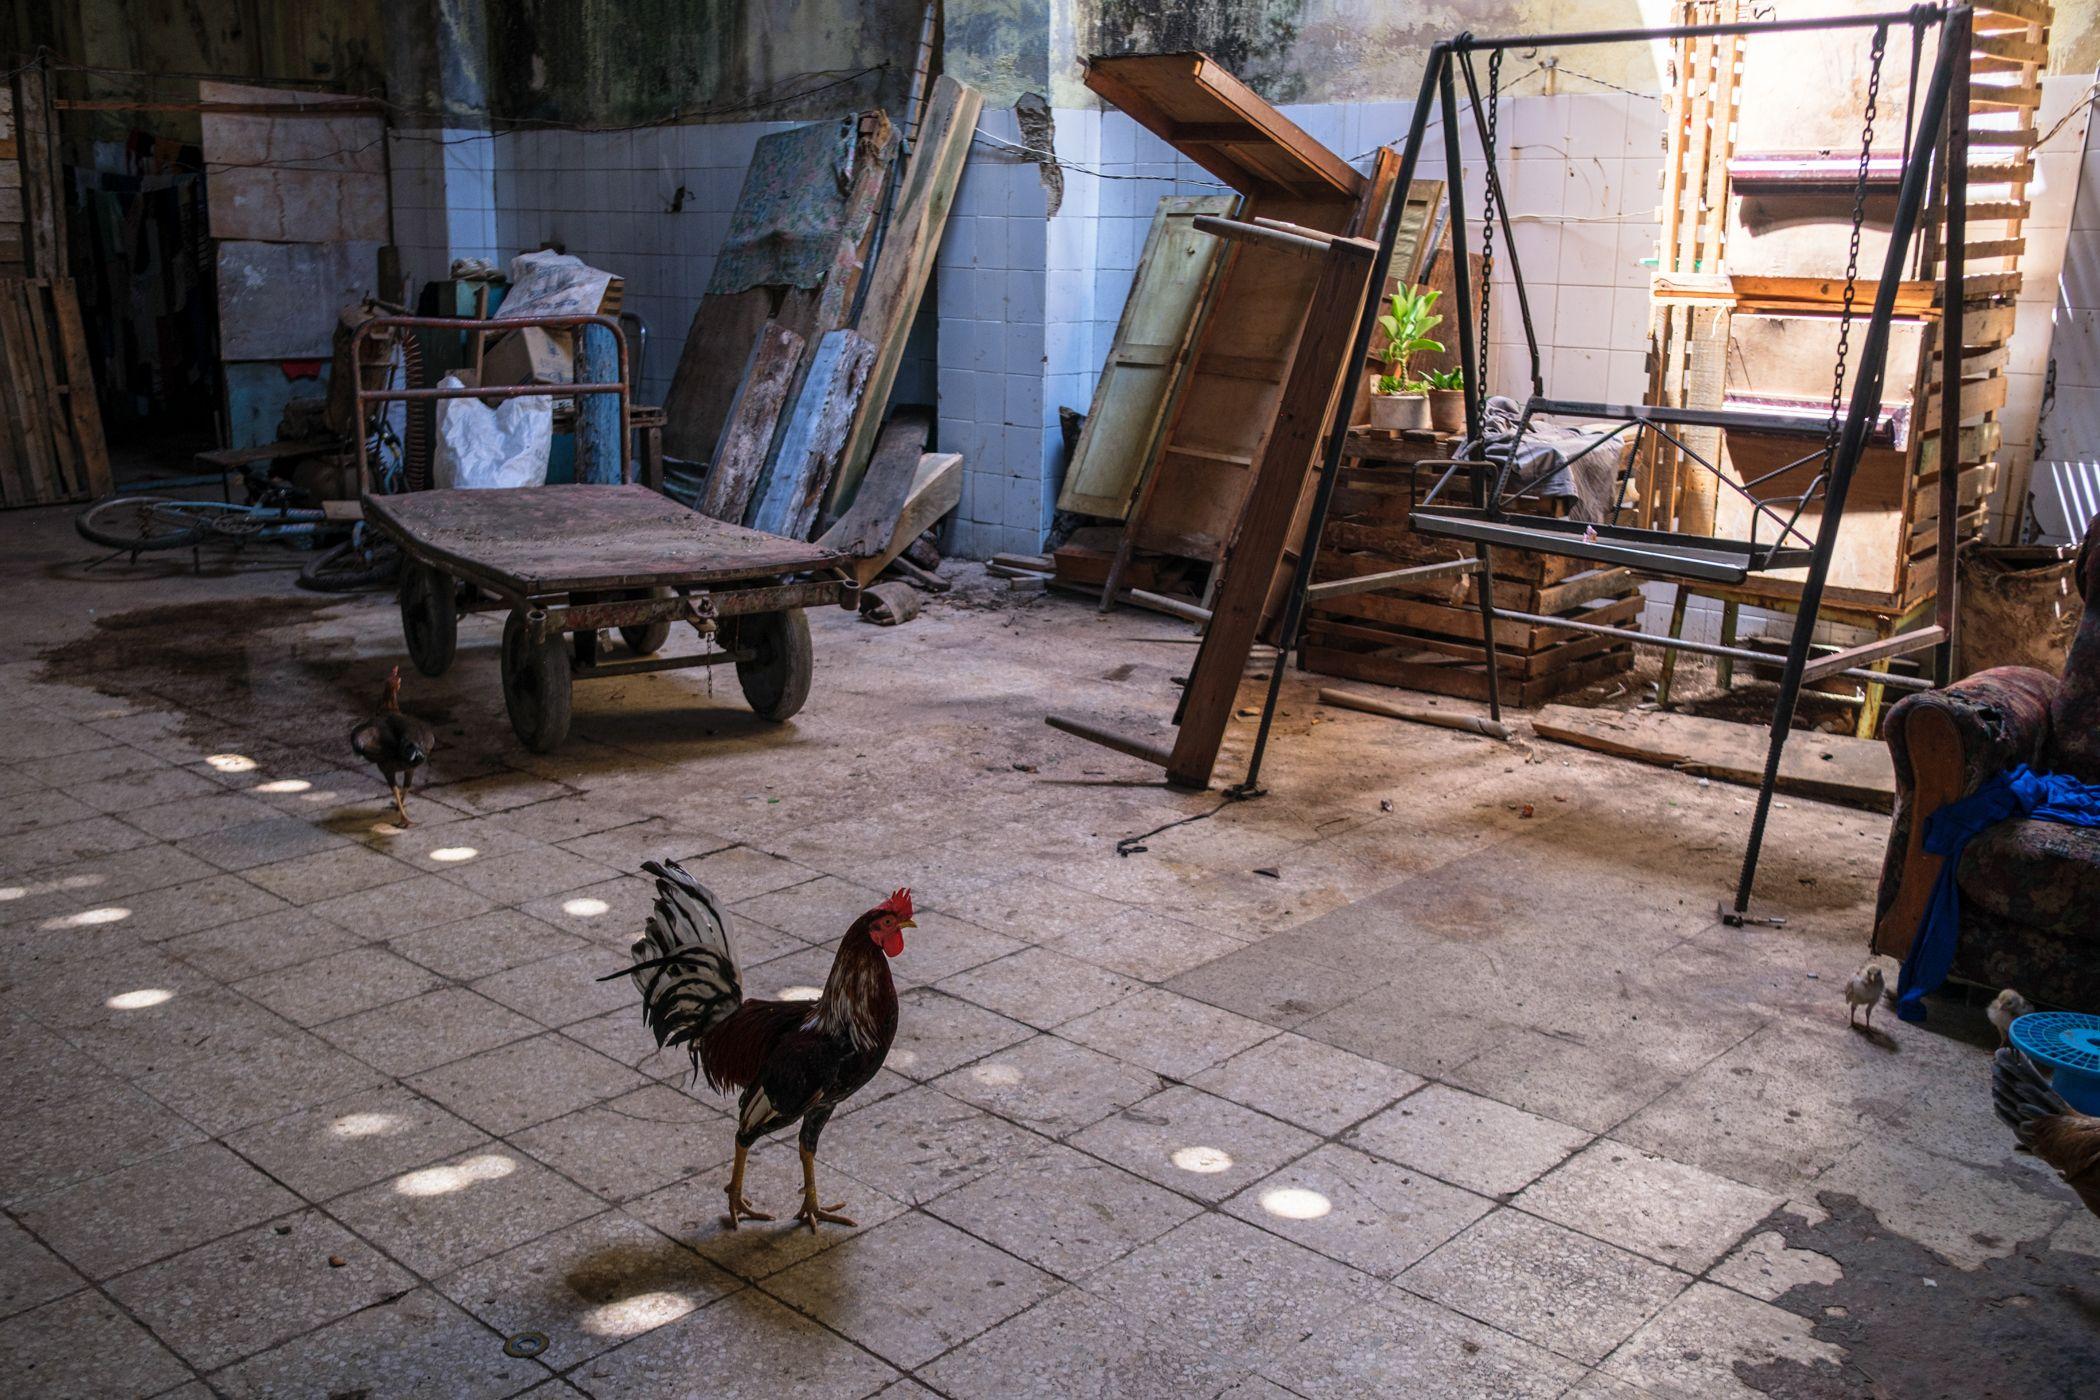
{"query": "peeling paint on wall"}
(1039, 132)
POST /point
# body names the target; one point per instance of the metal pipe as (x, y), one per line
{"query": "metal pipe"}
(1917, 16)
(1373, 583)
(1470, 356)
(494, 391)
(661, 663)
(361, 396)
(1866, 403)
(1745, 654)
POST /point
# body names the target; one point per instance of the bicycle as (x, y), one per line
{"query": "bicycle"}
(137, 525)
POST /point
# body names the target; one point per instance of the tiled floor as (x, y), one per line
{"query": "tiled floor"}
(1309, 1098)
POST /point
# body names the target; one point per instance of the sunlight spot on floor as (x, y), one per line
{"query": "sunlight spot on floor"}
(232, 762)
(452, 855)
(361, 1125)
(66, 882)
(640, 1313)
(584, 907)
(284, 785)
(454, 1176)
(1295, 1203)
(996, 1076)
(1206, 1161)
(88, 918)
(800, 993)
(140, 999)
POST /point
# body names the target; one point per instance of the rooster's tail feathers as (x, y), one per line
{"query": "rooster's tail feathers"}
(2021, 1095)
(684, 964)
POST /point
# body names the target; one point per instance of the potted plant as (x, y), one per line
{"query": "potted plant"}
(1398, 402)
(1447, 399)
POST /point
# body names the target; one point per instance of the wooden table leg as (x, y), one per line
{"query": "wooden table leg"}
(1724, 666)
(1669, 671)
(1870, 706)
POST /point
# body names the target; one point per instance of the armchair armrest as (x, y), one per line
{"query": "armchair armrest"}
(1944, 743)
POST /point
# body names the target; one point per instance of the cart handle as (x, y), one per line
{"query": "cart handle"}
(365, 396)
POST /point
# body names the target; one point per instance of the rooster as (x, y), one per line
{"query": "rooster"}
(394, 743)
(790, 1060)
(2047, 1126)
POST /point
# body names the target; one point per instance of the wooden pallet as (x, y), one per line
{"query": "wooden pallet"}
(1731, 274)
(1427, 635)
(51, 446)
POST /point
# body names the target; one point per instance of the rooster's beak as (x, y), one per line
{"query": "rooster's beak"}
(908, 923)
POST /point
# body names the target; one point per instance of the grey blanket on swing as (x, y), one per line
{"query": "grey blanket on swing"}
(1587, 484)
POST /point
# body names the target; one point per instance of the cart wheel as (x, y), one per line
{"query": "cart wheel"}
(536, 686)
(429, 618)
(648, 640)
(776, 680)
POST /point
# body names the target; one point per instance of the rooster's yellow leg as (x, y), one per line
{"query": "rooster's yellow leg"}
(811, 1212)
(739, 1208)
(401, 805)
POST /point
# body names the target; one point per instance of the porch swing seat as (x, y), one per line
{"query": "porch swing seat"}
(1664, 553)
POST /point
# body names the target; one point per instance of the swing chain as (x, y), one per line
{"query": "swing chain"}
(1859, 218)
(1487, 215)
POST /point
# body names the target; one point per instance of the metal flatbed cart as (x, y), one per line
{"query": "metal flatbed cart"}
(571, 562)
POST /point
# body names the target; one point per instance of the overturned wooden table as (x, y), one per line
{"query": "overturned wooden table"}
(572, 561)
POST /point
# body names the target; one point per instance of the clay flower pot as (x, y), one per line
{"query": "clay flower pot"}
(1447, 410)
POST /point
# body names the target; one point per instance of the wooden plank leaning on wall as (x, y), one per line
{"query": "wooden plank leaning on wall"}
(897, 283)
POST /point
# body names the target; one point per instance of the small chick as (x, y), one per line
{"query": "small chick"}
(394, 743)
(1864, 989)
(2005, 1008)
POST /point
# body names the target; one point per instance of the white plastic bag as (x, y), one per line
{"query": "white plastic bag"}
(480, 447)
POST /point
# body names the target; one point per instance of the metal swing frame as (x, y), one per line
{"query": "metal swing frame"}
(1934, 175)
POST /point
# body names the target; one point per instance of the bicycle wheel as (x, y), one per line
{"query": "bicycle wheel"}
(349, 567)
(140, 523)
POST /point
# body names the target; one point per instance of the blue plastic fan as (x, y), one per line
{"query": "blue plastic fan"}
(2069, 1043)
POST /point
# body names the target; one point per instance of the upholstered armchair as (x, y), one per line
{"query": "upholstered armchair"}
(2030, 890)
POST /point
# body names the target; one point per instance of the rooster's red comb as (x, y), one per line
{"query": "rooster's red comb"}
(898, 904)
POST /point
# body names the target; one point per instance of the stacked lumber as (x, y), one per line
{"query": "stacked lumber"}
(1750, 278)
(51, 446)
(785, 390)
(1427, 635)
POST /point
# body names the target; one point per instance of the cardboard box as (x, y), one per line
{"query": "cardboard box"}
(530, 355)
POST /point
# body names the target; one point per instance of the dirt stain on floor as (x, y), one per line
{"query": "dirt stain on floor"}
(249, 664)
(2022, 1327)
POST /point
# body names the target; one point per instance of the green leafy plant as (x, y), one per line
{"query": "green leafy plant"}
(1390, 384)
(1407, 327)
(1453, 378)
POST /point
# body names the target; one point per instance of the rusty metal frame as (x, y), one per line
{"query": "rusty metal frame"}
(364, 396)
